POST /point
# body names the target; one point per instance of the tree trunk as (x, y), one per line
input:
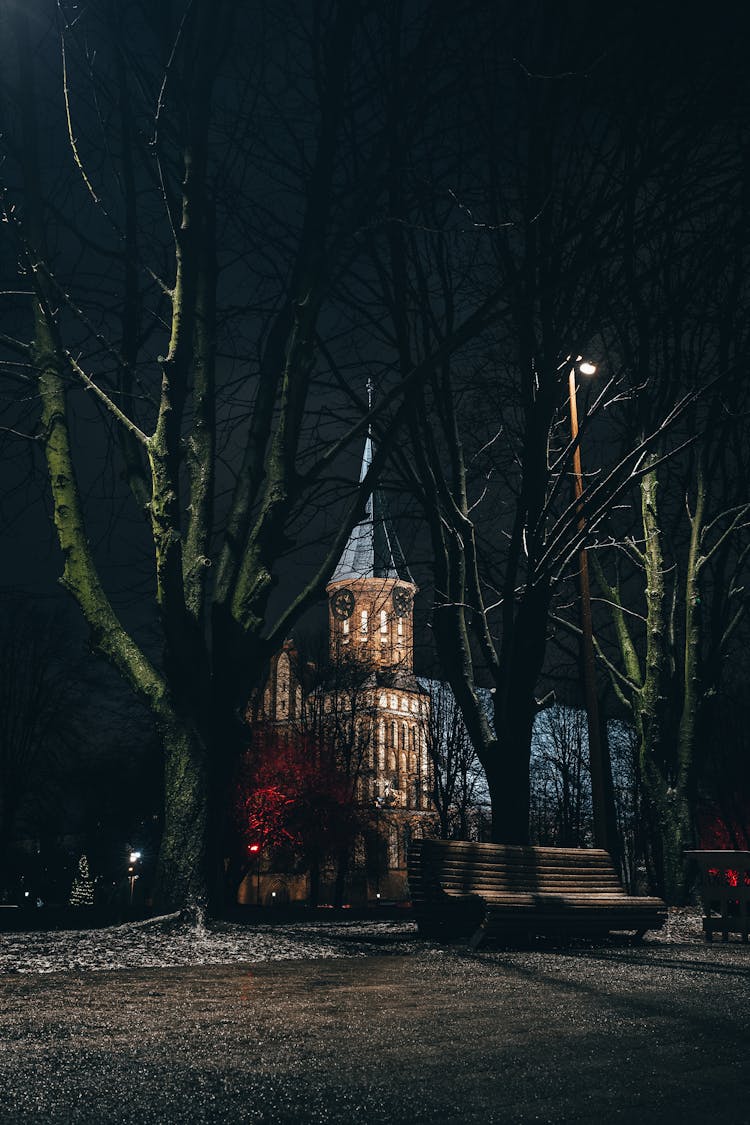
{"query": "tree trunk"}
(507, 771)
(182, 876)
(342, 870)
(665, 755)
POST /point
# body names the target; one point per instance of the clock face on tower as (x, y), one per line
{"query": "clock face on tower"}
(401, 601)
(342, 604)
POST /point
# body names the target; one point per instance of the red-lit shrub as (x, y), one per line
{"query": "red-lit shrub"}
(290, 795)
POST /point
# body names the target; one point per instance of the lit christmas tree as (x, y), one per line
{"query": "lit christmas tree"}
(82, 891)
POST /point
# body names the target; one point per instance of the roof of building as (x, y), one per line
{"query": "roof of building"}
(373, 549)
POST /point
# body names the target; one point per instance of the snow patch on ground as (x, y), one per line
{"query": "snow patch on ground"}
(168, 942)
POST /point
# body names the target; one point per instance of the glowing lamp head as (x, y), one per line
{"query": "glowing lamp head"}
(253, 848)
(587, 368)
(134, 857)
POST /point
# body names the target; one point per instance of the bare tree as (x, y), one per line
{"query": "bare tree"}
(574, 204)
(673, 585)
(456, 784)
(560, 779)
(221, 162)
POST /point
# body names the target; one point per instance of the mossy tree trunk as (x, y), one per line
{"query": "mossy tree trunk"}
(660, 685)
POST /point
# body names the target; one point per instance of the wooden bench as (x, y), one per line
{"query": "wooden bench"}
(462, 890)
(725, 892)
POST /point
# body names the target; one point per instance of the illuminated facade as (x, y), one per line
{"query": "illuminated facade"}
(373, 705)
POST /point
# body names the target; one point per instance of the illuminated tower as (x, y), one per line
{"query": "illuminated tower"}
(371, 594)
(370, 709)
(371, 626)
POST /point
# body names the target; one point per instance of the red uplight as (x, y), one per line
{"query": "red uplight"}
(253, 847)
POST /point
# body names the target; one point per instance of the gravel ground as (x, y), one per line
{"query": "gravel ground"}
(165, 942)
(360, 1022)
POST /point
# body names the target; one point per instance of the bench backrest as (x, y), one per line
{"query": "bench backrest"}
(470, 868)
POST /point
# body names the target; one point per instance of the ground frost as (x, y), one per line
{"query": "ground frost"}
(168, 942)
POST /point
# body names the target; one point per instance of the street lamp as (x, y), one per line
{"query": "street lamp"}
(132, 876)
(601, 793)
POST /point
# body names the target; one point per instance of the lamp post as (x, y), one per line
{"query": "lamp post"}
(605, 834)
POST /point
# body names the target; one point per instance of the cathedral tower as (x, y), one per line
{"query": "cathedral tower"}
(371, 625)
(371, 594)
(370, 707)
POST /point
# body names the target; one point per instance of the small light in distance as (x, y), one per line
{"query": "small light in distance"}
(587, 368)
(253, 847)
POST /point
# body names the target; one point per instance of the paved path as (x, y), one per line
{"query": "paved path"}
(656, 1034)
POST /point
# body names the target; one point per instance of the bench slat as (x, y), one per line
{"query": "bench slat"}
(506, 887)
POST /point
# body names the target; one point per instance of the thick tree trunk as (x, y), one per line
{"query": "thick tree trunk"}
(507, 771)
(675, 824)
(666, 754)
(182, 877)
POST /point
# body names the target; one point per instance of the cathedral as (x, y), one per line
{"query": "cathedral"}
(374, 707)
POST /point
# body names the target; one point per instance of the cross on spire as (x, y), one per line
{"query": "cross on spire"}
(373, 549)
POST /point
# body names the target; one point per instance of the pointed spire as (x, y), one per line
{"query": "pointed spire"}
(373, 549)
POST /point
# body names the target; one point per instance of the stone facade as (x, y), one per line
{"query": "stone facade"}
(373, 707)
(371, 628)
